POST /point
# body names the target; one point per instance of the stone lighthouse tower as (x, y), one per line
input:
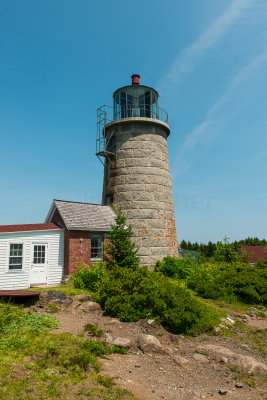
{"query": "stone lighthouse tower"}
(132, 144)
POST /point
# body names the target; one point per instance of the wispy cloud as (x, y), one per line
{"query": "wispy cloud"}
(188, 58)
(212, 117)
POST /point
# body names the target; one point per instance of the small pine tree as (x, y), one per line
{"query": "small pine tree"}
(120, 250)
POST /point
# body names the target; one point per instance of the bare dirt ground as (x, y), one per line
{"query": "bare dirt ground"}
(161, 365)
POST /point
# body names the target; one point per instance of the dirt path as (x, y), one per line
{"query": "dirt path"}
(176, 370)
(165, 366)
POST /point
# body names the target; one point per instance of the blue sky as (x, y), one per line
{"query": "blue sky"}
(62, 59)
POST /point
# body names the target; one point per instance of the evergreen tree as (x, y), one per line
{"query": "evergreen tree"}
(208, 251)
(211, 247)
(119, 247)
(183, 244)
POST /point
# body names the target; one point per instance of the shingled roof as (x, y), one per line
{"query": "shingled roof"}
(28, 227)
(257, 252)
(83, 216)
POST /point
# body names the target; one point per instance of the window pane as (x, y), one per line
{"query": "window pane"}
(97, 247)
(39, 254)
(15, 266)
(15, 256)
(15, 249)
(94, 253)
(15, 260)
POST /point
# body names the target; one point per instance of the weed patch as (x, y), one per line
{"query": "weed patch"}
(242, 375)
(94, 330)
(106, 381)
(52, 308)
(39, 364)
(17, 326)
(247, 335)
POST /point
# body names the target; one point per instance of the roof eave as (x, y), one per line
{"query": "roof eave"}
(88, 229)
(34, 230)
(51, 213)
(47, 220)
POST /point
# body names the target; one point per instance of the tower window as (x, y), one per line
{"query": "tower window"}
(97, 248)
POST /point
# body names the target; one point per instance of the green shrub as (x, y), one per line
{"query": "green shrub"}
(213, 290)
(131, 292)
(238, 282)
(90, 277)
(234, 281)
(174, 267)
(136, 294)
(225, 253)
(249, 284)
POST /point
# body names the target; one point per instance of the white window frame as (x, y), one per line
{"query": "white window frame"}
(15, 271)
(95, 259)
(46, 253)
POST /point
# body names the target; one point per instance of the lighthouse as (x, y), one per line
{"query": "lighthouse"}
(132, 145)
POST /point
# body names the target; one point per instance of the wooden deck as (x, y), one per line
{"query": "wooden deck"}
(18, 293)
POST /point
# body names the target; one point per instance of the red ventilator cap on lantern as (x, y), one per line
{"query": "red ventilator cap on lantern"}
(135, 79)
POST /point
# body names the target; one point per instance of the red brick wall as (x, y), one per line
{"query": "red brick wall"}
(66, 252)
(77, 251)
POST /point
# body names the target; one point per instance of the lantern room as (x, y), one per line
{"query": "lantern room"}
(136, 101)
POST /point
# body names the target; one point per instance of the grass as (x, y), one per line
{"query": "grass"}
(253, 337)
(261, 314)
(230, 307)
(67, 288)
(242, 332)
(94, 330)
(52, 308)
(248, 336)
(242, 375)
(37, 364)
(28, 378)
(106, 381)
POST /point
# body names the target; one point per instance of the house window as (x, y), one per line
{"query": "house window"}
(96, 248)
(39, 254)
(15, 256)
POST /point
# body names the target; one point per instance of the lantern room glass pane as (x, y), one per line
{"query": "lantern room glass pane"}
(135, 101)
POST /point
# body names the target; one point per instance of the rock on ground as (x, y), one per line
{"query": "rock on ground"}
(248, 363)
(82, 297)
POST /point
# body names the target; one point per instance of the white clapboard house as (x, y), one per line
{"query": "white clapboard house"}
(45, 253)
(31, 254)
